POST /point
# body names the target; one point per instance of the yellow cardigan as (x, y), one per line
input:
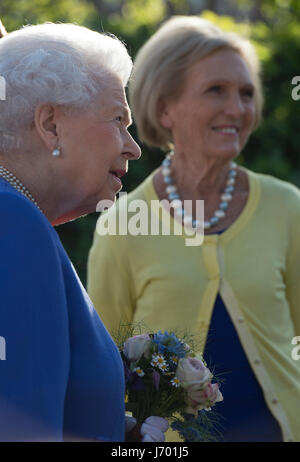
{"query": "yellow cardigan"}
(254, 265)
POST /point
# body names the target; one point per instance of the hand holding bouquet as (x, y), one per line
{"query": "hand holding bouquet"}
(163, 378)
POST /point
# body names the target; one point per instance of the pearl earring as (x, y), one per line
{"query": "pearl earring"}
(56, 152)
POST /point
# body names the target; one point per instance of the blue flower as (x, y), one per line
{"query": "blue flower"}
(169, 343)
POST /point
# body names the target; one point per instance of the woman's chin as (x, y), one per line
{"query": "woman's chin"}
(229, 154)
(106, 202)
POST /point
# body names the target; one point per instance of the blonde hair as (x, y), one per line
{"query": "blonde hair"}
(161, 64)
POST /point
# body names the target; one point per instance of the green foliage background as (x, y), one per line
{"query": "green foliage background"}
(275, 31)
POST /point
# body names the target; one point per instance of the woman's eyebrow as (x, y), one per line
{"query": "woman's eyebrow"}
(216, 81)
(127, 115)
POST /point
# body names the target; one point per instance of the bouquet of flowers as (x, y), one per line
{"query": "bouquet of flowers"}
(165, 378)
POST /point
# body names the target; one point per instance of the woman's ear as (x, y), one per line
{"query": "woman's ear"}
(163, 114)
(45, 120)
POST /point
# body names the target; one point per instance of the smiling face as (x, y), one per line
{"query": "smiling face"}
(96, 147)
(215, 112)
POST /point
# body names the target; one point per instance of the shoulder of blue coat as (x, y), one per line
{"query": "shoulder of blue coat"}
(18, 212)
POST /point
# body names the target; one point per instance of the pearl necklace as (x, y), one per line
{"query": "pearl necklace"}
(17, 184)
(174, 196)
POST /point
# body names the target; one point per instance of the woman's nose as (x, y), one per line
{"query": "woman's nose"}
(132, 149)
(234, 106)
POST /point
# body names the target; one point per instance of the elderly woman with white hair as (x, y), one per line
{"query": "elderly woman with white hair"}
(64, 145)
(196, 89)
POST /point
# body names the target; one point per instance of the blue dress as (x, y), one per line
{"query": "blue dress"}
(243, 415)
(62, 376)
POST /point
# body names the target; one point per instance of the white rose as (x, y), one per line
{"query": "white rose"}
(136, 347)
(192, 371)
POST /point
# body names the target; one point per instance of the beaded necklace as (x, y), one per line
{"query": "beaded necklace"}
(173, 195)
(17, 184)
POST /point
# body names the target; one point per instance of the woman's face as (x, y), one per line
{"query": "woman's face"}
(95, 144)
(215, 113)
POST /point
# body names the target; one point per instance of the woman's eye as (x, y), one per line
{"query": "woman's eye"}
(248, 93)
(215, 89)
(119, 118)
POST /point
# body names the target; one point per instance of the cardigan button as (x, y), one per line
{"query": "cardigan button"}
(240, 319)
(257, 361)
(274, 401)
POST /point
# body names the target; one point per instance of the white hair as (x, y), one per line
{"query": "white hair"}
(63, 64)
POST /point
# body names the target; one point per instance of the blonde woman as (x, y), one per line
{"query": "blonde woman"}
(196, 90)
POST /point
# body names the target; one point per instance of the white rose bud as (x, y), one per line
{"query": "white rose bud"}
(136, 347)
(203, 398)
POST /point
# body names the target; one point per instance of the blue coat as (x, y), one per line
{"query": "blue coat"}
(62, 376)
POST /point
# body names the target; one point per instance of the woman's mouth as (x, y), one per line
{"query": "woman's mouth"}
(117, 174)
(227, 130)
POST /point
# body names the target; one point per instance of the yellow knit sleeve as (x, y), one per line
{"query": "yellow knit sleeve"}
(293, 289)
(109, 281)
(293, 265)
